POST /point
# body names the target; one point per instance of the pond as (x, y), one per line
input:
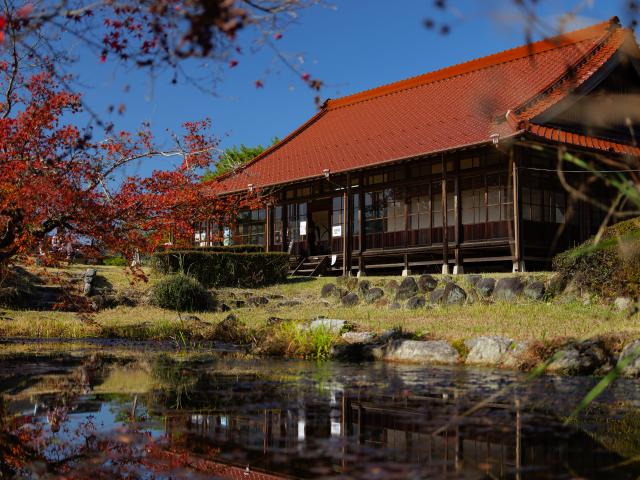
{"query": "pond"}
(92, 411)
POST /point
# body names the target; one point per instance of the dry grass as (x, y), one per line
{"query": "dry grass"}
(520, 321)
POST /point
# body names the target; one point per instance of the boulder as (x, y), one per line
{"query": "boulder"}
(187, 318)
(432, 351)
(534, 290)
(231, 330)
(275, 296)
(485, 286)
(453, 294)
(473, 279)
(350, 300)
(257, 301)
(508, 288)
(436, 296)
(395, 306)
(373, 294)
(391, 334)
(239, 303)
(631, 352)
(426, 283)
(490, 350)
(407, 289)
(90, 273)
(358, 337)
(340, 292)
(514, 355)
(328, 289)
(581, 359)
(417, 301)
(290, 303)
(622, 303)
(392, 285)
(364, 286)
(331, 325)
(87, 288)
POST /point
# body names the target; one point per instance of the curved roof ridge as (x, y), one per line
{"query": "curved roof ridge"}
(480, 63)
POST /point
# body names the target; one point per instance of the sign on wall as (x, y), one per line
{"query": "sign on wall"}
(303, 227)
(336, 231)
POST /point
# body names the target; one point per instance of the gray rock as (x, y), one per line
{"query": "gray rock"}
(453, 294)
(275, 296)
(632, 352)
(373, 294)
(87, 288)
(415, 302)
(331, 325)
(426, 283)
(508, 288)
(290, 303)
(364, 286)
(387, 335)
(359, 337)
(391, 285)
(622, 303)
(485, 286)
(433, 351)
(473, 279)
(436, 296)
(90, 273)
(582, 358)
(407, 289)
(534, 290)
(489, 350)
(328, 289)
(350, 300)
(257, 301)
(340, 292)
(514, 355)
(395, 306)
(187, 318)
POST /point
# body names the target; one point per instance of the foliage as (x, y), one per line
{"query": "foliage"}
(221, 268)
(229, 248)
(180, 292)
(609, 268)
(291, 339)
(234, 157)
(117, 261)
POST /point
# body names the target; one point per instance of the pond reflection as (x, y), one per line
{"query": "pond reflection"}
(135, 414)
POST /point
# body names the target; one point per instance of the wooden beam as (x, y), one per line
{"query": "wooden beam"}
(445, 220)
(363, 243)
(346, 230)
(518, 263)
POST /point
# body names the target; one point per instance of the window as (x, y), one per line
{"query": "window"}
(420, 210)
(540, 205)
(297, 213)
(472, 197)
(337, 211)
(499, 199)
(469, 162)
(250, 227)
(383, 212)
(277, 225)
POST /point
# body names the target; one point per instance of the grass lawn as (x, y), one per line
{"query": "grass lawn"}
(519, 321)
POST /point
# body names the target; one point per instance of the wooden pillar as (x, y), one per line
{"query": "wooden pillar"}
(458, 268)
(518, 261)
(445, 220)
(363, 238)
(346, 228)
(269, 229)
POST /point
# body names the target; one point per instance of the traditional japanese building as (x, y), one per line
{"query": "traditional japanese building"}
(454, 169)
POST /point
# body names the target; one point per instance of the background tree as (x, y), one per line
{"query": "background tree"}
(234, 157)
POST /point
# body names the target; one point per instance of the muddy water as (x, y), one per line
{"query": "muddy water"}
(127, 412)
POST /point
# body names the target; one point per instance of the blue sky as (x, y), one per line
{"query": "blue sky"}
(356, 45)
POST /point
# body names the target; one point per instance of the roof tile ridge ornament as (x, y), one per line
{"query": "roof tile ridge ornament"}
(520, 112)
(481, 63)
(237, 171)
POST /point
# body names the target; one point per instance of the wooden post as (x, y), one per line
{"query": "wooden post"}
(407, 271)
(458, 267)
(445, 220)
(363, 244)
(269, 229)
(346, 234)
(518, 262)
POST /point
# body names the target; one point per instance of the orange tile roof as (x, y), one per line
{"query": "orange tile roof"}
(450, 108)
(584, 141)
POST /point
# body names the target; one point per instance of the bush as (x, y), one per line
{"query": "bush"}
(180, 292)
(609, 269)
(226, 269)
(118, 261)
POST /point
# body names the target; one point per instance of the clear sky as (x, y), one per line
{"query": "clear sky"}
(352, 46)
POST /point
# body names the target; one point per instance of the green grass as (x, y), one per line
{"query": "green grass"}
(519, 321)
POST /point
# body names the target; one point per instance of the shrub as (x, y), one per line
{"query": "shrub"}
(609, 269)
(226, 269)
(180, 292)
(117, 261)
